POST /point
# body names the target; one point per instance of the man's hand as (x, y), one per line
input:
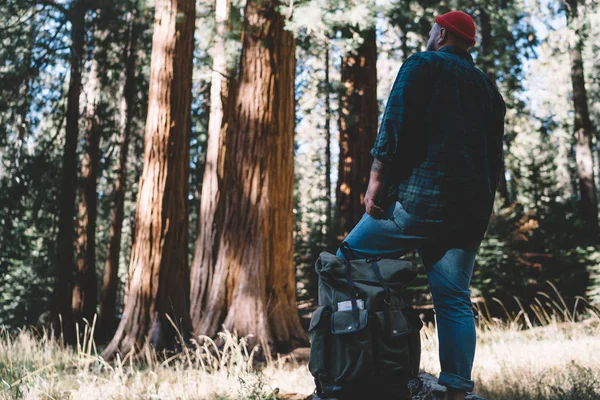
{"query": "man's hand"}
(373, 195)
(371, 199)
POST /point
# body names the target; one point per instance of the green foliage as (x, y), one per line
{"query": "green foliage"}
(314, 230)
(30, 182)
(256, 389)
(540, 236)
(31, 84)
(323, 19)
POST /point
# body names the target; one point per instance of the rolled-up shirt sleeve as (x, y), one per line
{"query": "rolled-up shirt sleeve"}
(404, 111)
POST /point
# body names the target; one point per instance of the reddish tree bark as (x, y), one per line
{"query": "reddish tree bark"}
(584, 130)
(158, 286)
(358, 130)
(107, 318)
(62, 319)
(85, 290)
(211, 215)
(253, 289)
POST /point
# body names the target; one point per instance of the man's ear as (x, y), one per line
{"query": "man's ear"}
(443, 37)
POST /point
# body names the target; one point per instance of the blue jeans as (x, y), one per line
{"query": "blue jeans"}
(449, 262)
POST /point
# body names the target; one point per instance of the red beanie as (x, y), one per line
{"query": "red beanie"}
(459, 23)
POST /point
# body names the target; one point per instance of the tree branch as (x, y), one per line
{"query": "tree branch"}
(53, 4)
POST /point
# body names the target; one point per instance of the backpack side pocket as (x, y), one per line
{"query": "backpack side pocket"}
(414, 338)
(318, 333)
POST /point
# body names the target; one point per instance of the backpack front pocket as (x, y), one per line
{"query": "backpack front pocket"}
(340, 352)
(351, 348)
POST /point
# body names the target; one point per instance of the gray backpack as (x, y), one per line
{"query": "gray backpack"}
(364, 341)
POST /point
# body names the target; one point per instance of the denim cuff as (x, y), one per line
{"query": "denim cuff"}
(456, 382)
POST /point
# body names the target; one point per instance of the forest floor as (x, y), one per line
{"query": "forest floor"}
(556, 361)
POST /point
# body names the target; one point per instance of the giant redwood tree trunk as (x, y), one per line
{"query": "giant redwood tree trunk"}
(158, 286)
(584, 130)
(211, 215)
(65, 265)
(358, 130)
(85, 289)
(107, 318)
(253, 289)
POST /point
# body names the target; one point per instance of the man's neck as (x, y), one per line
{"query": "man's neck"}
(458, 51)
(453, 45)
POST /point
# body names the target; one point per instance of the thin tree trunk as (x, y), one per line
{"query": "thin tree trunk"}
(158, 273)
(358, 130)
(584, 130)
(253, 289)
(85, 291)
(107, 319)
(329, 204)
(404, 41)
(24, 101)
(65, 266)
(211, 216)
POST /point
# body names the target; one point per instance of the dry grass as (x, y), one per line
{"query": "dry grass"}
(557, 361)
(546, 358)
(34, 366)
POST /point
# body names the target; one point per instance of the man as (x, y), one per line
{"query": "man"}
(438, 159)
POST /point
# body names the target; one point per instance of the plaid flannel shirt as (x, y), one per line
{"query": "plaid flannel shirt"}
(442, 135)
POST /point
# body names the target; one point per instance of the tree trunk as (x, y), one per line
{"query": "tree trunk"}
(584, 131)
(253, 289)
(404, 40)
(23, 103)
(158, 273)
(358, 130)
(211, 216)
(328, 205)
(85, 290)
(65, 266)
(107, 319)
